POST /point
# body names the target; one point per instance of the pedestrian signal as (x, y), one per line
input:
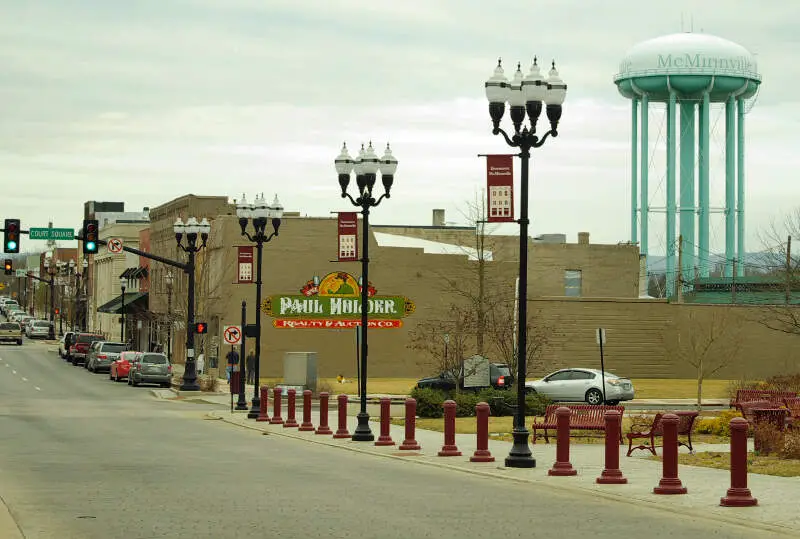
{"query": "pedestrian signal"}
(201, 327)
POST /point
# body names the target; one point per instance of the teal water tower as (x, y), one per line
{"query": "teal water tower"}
(689, 72)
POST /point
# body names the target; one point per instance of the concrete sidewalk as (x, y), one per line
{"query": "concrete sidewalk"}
(778, 496)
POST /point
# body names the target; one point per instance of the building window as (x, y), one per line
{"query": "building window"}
(572, 283)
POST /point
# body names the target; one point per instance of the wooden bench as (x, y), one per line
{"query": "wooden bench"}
(773, 396)
(685, 426)
(746, 408)
(582, 417)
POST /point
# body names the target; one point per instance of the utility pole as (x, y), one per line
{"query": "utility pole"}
(680, 269)
(788, 270)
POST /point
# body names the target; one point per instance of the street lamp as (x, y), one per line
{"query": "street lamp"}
(259, 212)
(524, 94)
(62, 268)
(190, 229)
(366, 167)
(123, 282)
(50, 267)
(170, 280)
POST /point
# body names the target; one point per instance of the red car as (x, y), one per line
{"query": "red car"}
(121, 367)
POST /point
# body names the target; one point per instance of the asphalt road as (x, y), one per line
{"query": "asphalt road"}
(82, 457)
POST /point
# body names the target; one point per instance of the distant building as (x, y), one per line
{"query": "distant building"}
(750, 290)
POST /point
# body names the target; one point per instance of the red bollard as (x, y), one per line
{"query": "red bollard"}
(341, 431)
(385, 438)
(670, 483)
(562, 465)
(410, 444)
(482, 453)
(276, 407)
(263, 408)
(449, 448)
(612, 475)
(323, 414)
(291, 407)
(307, 425)
(738, 495)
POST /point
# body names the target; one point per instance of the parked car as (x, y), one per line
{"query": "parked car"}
(40, 329)
(23, 322)
(102, 354)
(150, 368)
(576, 385)
(79, 349)
(500, 377)
(63, 344)
(122, 366)
(7, 305)
(10, 332)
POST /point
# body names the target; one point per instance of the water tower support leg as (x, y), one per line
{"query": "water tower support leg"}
(704, 216)
(730, 183)
(644, 195)
(634, 169)
(740, 187)
(671, 240)
(688, 201)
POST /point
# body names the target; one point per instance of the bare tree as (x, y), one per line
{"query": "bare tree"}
(502, 329)
(708, 344)
(781, 260)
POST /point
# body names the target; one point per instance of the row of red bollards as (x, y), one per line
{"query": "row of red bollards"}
(737, 496)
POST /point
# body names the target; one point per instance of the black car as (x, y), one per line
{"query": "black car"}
(500, 377)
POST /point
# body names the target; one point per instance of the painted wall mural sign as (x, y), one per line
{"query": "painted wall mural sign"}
(334, 302)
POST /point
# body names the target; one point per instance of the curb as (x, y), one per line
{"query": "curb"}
(607, 495)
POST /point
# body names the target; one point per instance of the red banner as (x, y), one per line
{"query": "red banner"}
(500, 188)
(244, 274)
(348, 236)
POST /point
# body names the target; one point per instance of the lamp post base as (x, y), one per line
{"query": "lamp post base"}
(190, 385)
(255, 409)
(363, 432)
(520, 455)
(241, 404)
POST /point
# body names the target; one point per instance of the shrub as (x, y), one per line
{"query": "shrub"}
(429, 402)
(769, 438)
(720, 425)
(784, 382)
(465, 403)
(791, 445)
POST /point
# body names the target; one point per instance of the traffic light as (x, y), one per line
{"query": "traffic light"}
(200, 327)
(90, 227)
(11, 243)
(8, 266)
(58, 311)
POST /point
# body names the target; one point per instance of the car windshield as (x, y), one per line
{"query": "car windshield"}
(154, 359)
(112, 347)
(502, 370)
(9, 325)
(89, 338)
(41, 323)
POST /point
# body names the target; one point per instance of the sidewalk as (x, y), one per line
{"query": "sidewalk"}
(777, 496)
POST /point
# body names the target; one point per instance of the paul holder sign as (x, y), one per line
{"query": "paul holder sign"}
(334, 302)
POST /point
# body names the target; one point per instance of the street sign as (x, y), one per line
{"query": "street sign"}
(51, 233)
(232, 335)
(114, 245)
(600, 336)
(22, 273)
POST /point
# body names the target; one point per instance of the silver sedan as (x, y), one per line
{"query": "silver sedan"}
(576, 385)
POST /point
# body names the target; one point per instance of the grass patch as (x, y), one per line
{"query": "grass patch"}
(383, 386)
(767, 465)
(500, 429)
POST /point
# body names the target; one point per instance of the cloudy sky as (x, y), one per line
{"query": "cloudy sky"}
(147, 100)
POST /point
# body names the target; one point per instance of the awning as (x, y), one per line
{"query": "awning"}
(134, 273)
(134, 301)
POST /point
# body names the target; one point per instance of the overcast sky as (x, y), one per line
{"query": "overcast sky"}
(147, 100)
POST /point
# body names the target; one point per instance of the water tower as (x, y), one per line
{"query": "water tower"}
(687, 73)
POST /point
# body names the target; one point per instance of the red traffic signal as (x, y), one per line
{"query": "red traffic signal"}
(58, 311)
(201, 327)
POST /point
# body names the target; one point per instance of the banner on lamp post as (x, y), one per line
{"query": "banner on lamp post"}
(348, 236)
(500, 188)
(244, 275)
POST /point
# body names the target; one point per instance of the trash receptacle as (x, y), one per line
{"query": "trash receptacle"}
(235, 379)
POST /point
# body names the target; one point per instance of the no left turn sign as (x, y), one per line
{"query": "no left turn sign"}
(114, 245)
(232, 335)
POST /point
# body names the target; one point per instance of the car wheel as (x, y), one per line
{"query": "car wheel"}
(594, 397)
(19, 342)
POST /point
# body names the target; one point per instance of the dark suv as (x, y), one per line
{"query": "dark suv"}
(500, 377)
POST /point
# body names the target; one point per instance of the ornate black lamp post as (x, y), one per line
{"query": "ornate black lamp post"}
(366, 167)
(76, 317)
(170, 280)
(50, 267)
(191, 229)
(123, 283)
(524, 94)
(259, 213)
(62, 270)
